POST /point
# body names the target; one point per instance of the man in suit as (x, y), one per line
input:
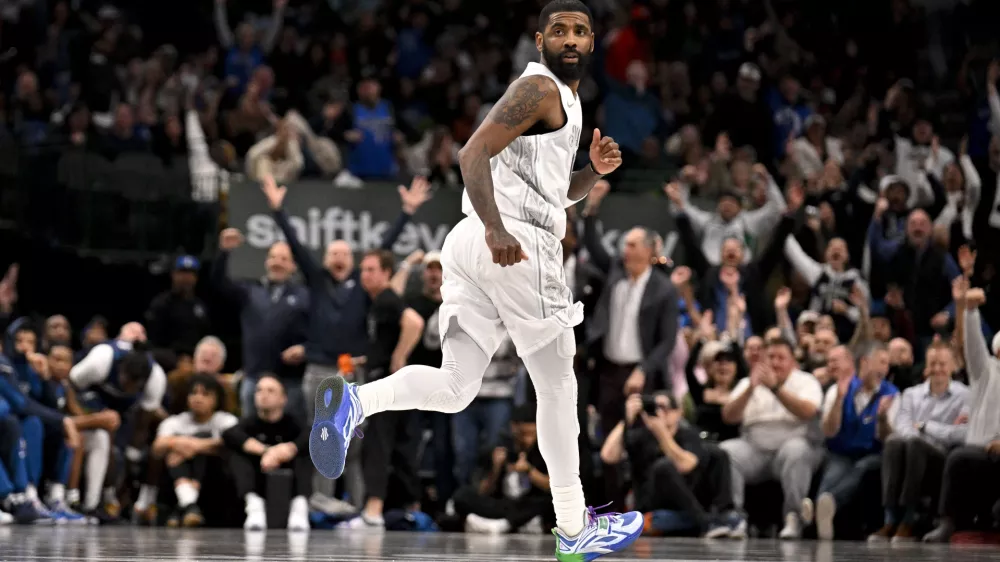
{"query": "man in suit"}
(634, 328)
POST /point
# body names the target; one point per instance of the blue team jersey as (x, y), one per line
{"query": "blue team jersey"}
(109, 395)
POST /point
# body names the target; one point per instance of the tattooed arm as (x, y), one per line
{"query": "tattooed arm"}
(528, 101)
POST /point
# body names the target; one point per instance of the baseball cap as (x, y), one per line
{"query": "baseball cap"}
(186, 263)
(807, 316)
(432, 257)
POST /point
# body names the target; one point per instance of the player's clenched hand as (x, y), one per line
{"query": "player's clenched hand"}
(505, 248)
(605, 155)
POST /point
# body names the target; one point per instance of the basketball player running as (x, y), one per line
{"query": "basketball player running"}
(503, 270)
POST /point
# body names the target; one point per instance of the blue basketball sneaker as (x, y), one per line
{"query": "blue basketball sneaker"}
(603, 534)
(338, 414)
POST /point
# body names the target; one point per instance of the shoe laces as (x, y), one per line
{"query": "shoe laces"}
(611, 515)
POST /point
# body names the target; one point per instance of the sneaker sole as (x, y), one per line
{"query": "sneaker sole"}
(903, 540)
(589, 556)
(327, 452)
(739, 533)
(826, 510)
(718, 533)
(807, 511)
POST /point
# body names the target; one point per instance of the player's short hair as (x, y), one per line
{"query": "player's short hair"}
(386, 259)
(137, 365)
(556, 6)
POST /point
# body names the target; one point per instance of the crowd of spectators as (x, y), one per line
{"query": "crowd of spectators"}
(831, 326)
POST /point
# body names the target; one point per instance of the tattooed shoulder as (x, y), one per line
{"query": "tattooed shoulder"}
(522, 101)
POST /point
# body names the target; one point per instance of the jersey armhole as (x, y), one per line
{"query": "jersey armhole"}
(540, 128)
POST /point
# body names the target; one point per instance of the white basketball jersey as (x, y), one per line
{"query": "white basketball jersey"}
(531, 176)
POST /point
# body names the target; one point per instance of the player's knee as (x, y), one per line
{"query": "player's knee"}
(462, 396)
(98, 440)
(461, 391)
(555, 386)
(552, 369)
(110, 420)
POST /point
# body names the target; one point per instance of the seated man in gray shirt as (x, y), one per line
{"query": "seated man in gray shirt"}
(925, 424)
(777, 407)
(969, 487)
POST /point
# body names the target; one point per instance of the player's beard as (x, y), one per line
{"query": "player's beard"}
(567, 72)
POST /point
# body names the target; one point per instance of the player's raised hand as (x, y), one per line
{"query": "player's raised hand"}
(605, 155)
(505, 248)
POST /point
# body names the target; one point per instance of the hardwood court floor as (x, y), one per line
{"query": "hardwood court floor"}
(127, 544)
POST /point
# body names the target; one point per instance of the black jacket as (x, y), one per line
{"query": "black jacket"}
(273, 318)
(658, 313)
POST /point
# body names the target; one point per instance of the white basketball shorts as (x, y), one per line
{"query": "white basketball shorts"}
(530, 300)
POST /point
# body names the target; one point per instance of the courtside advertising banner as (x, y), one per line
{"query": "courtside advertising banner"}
(321, 213)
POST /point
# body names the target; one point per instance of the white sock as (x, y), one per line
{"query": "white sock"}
(147, 496)
(376, 397)
(551, 370)
(449, 389)
(31, 492)
(98, 447)
(57, 493)
(73, 496)
(570, 509)
(186, 495)
(254, 502)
